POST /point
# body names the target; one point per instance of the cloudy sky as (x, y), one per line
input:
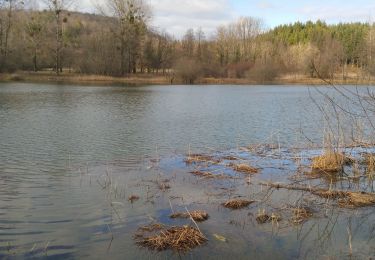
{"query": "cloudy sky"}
(176, 16)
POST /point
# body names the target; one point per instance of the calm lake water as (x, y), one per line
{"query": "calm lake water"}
(59, 144)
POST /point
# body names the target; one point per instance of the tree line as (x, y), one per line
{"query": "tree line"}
(119, 41)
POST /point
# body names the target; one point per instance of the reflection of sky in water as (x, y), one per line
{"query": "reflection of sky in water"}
(44, 129)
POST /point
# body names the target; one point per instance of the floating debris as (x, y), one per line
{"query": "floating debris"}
(181, 239)
(133, 198)
(197, 215)
(220, 238)
(237, 203)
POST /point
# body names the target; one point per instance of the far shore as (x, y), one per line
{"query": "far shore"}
(159, 79)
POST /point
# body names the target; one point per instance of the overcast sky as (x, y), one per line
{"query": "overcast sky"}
(176, 16)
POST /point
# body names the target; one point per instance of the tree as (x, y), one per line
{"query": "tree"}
(130, 28)
(34, 28)
(7, 9)
(57, 7)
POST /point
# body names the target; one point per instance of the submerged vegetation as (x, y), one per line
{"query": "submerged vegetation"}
(312, 194)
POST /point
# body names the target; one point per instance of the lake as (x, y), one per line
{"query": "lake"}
(70, 156)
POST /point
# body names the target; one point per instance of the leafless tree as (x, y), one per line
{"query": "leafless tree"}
(57, 7)
(132, 17)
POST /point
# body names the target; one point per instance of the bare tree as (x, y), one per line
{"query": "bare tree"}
(57, 7)
(131, 24)
(35, 27)
(7, 8)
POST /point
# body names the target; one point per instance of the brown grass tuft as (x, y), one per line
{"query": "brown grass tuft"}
(245, 168)
(330, 162)
(370, 163)
(300, 215)
(237, 203)
(133, 198)
(181, 239)
(197, 215)
(200, 158)
(202, 174)
(357, 200)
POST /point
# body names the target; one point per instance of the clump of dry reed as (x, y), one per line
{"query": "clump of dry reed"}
(357, 200)
(370, 163)
(301, 215)
(181, 239)
(200, 158)
(263, 217)
(330, 162)
(237, 203)
(202, 174)
(244, 168)
(197, 215)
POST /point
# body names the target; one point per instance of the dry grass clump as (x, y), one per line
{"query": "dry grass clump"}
(199, 158)
(133, 198)
(300, 215)
(237, 203)
(197, 215)
(357, 200)
(370, 163)
(263, 217)
(164, 185)
(244, 168)
(230, 158)
(202, 174)
(181, 239)
(330, 162)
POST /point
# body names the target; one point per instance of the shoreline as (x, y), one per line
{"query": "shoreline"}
(153, 79)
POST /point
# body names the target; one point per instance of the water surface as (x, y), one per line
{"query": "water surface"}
(60, 143)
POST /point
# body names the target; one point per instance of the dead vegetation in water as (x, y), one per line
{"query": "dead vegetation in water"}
(345, 199)
(237, 203)
(201, 158)
(209, 175)
(206, 175)
(160, 238)
(197, 215)
(370, 163)
(244, 168)
(300, 215)
(263, 217)
(330, 162)
(357, 200)
(133, 198)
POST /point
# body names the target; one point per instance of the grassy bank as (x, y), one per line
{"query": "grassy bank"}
(154, 79)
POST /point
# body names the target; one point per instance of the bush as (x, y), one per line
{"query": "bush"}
(263, 72)
(188, 70)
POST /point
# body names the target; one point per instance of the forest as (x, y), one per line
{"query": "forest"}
(119, 41)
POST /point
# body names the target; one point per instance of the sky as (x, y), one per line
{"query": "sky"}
(176, 16)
